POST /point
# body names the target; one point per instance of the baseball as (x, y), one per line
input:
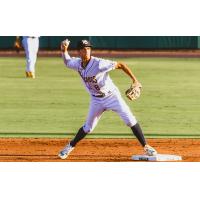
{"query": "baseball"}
(66, 42)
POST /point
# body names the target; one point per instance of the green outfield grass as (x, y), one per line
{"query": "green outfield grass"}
(55, 103)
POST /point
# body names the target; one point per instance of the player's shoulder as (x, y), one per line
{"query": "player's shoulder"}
(76, 59)
(74, 63)
(95, 59)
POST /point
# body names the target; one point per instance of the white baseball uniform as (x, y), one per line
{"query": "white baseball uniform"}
(104, 94)
(31, 46)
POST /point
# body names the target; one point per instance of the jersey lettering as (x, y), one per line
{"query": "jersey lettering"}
(95, 76)
(90, 79)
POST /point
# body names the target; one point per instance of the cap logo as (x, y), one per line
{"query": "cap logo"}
(85, 41)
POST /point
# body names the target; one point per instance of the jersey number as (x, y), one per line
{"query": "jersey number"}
(96, 87)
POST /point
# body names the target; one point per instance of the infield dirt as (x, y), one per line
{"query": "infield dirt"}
(92, 150)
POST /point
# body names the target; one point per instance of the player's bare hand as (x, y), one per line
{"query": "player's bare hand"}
(64, 45)
(137, 83)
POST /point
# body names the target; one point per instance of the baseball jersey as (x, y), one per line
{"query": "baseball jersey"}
(95, 75)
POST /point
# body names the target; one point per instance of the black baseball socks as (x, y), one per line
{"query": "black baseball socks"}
(139, 134)
(79, 136)
(136, 130)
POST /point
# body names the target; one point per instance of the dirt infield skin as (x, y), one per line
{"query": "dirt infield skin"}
(92, 150)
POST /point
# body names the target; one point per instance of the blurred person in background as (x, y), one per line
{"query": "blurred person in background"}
(31, 46)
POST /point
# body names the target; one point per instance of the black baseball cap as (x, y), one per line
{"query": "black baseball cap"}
(83, 43)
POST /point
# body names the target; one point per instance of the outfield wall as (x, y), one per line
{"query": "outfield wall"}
(114, 42)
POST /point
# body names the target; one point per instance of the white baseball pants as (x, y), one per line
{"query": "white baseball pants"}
(31, 46)
(113, 102)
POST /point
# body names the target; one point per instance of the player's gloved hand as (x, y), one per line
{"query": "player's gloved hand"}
(17, 44)
(64, 45)
(134, 91)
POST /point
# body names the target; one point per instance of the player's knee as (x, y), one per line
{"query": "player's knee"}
(131, 122)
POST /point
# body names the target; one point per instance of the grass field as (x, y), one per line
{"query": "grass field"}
(55, 103)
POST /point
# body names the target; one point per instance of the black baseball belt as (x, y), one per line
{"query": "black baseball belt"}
(99, 95)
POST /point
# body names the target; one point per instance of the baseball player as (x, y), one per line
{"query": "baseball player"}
(31, 46)
(94, 73)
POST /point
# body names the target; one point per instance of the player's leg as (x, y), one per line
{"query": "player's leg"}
(119, 106)
(36, 45)
(34, 51)
(79, 136)
(33, 48)
(25, 43)
(94, 115)
(70, 146)
(95, 112)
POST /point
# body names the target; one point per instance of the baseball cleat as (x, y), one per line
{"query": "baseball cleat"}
(150, 151)
(66, 151)
(31, 74)
(27, 74)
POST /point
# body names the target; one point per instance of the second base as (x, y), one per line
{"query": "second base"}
(158, 157)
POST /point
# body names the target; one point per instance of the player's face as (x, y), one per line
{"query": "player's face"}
(85, 53)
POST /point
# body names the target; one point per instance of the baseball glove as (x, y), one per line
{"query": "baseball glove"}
(17, 44)
(134, 91)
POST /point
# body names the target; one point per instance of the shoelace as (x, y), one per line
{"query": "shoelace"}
(67, 148)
